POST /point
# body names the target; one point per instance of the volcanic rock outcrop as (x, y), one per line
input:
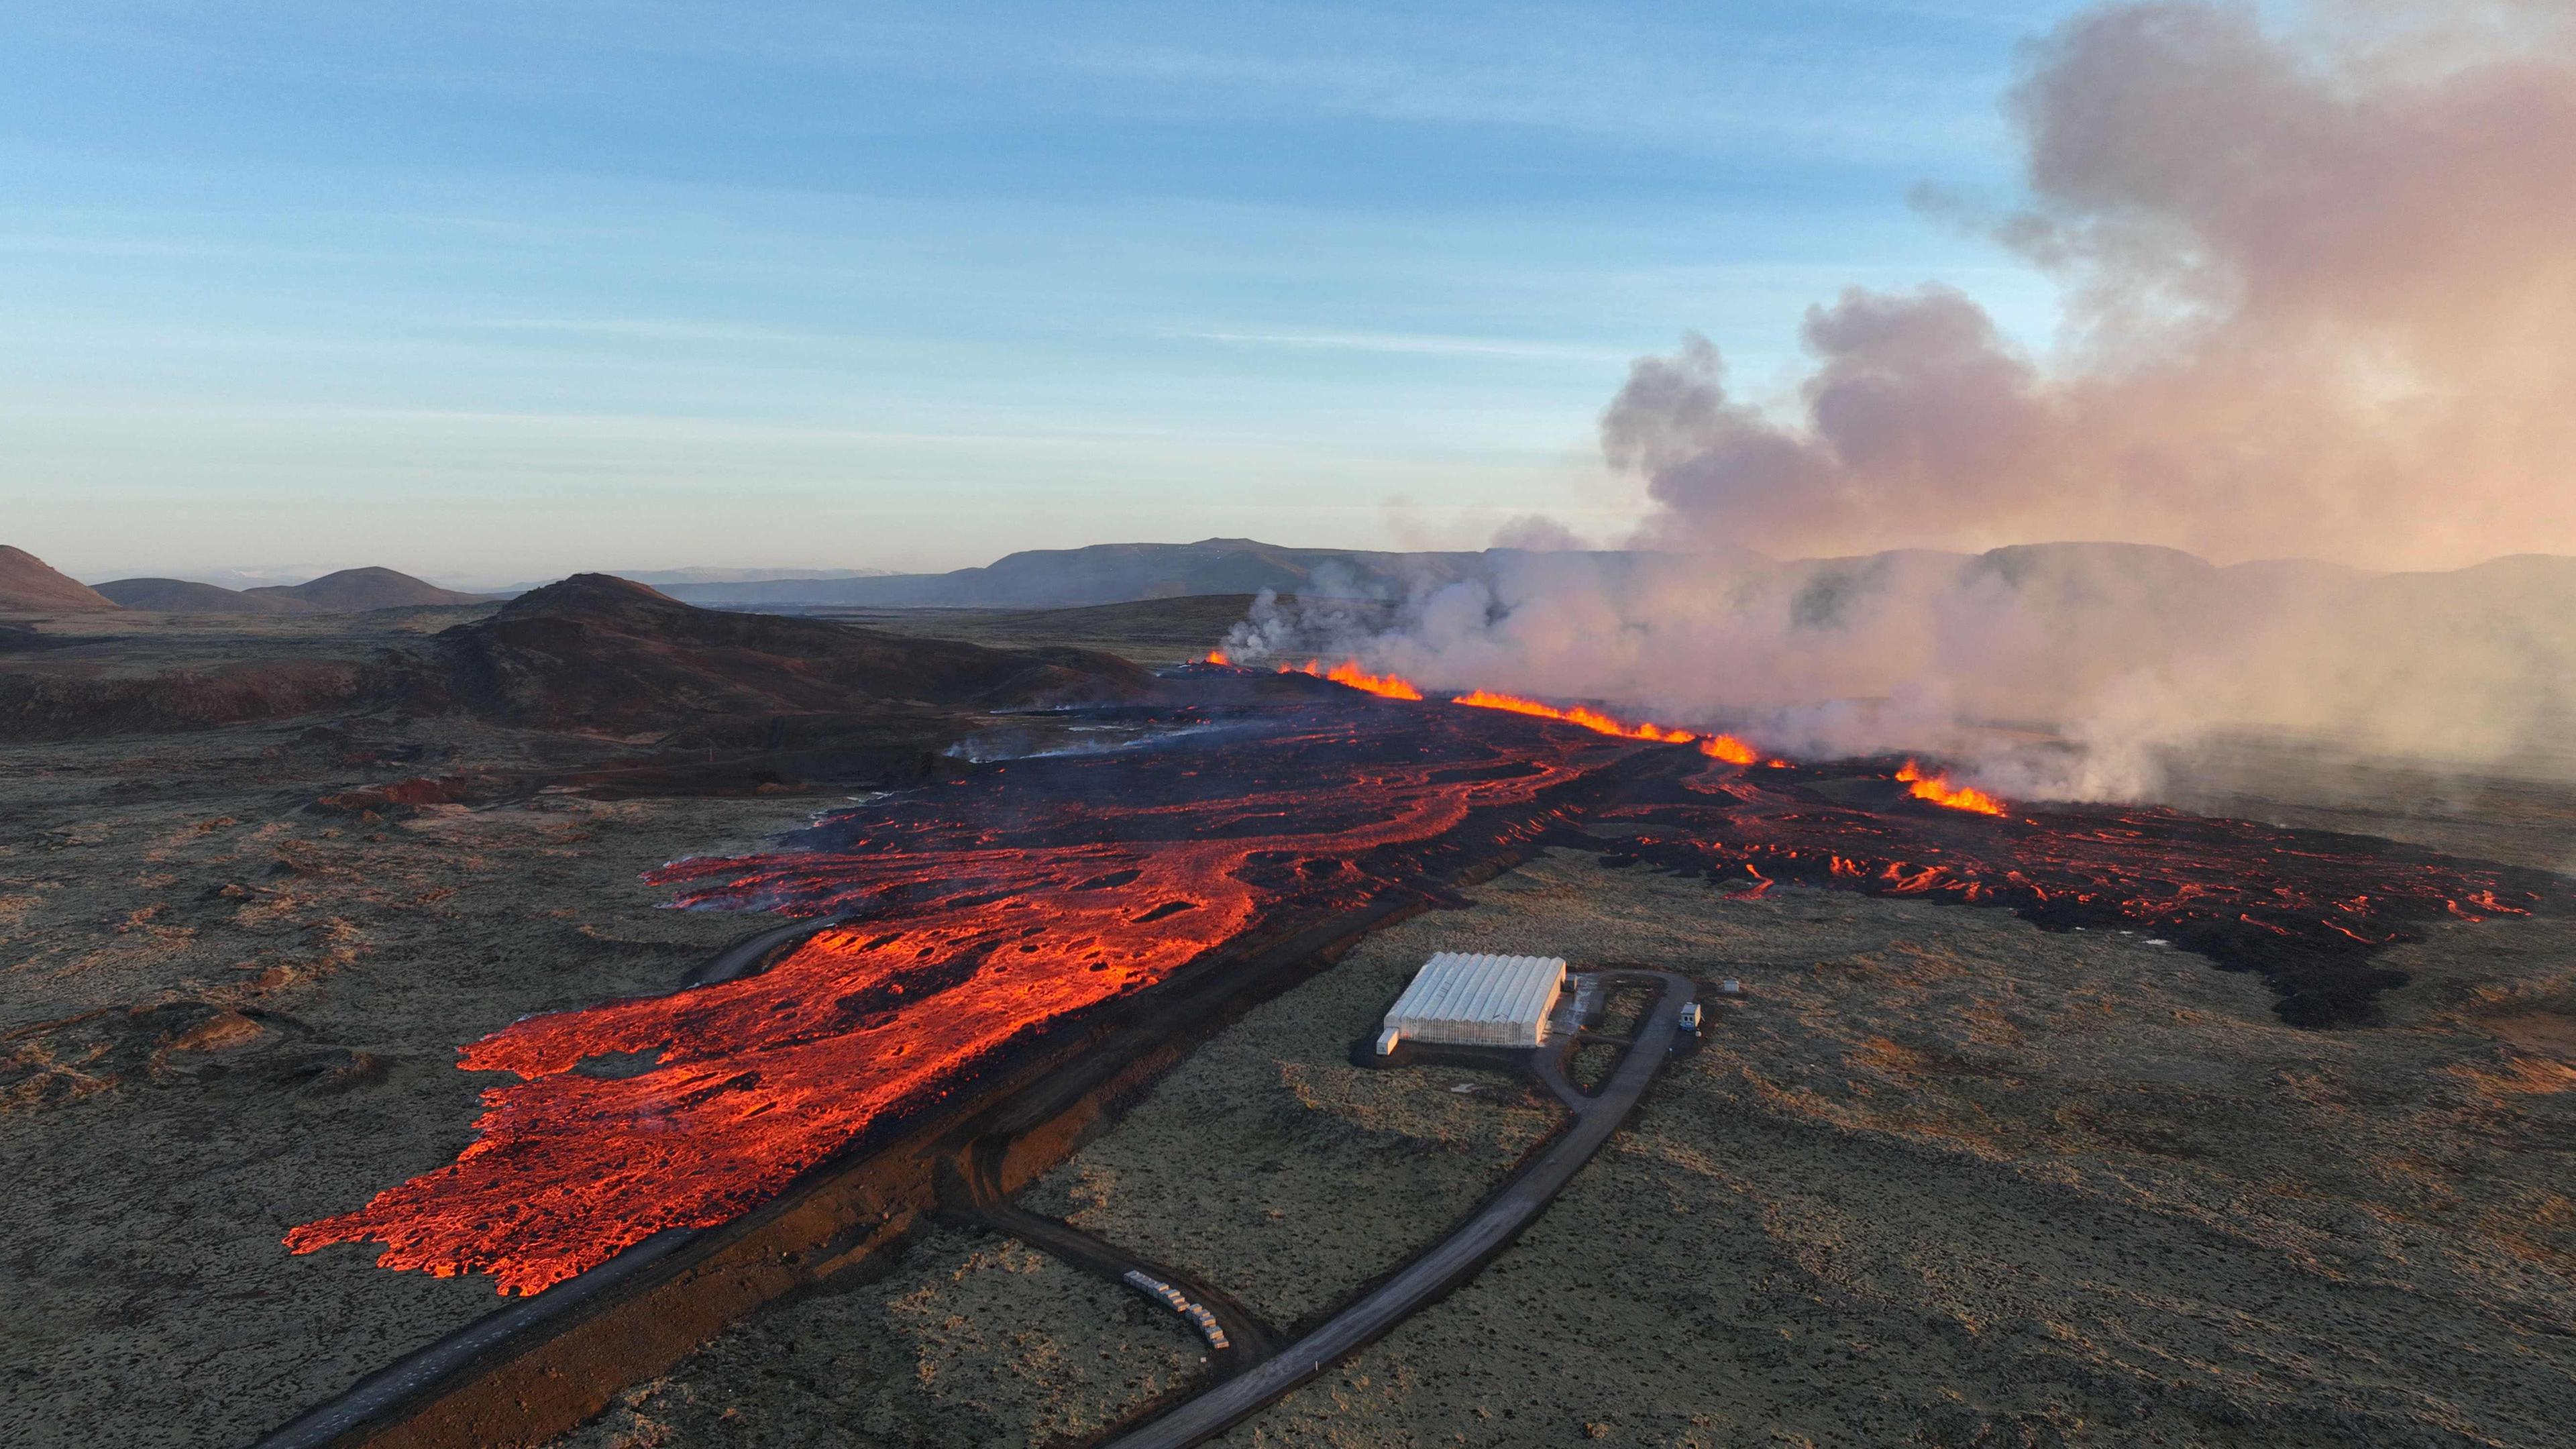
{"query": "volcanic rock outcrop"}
(599, 652)
(28, 582)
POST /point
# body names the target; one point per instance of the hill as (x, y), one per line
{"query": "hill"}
(28, 582)
(603, 653)
(665, 579)
(367, 588)
(186, 596)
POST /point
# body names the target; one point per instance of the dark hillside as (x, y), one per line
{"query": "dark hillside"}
(1110, 573)
(184, 596)
(599, 652)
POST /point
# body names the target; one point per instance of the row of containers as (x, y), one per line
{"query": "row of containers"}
(1204, 1321)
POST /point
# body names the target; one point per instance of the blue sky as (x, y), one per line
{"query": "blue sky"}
(493, 291)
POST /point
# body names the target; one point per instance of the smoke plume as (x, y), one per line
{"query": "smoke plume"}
(2321, 301)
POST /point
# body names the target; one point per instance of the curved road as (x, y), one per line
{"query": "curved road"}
(1252, 1340)
(1454, 1259)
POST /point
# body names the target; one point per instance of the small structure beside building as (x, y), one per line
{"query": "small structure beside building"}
(1473, 999)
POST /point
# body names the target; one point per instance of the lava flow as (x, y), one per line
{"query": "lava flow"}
(1591, 719)
(1384, 686)
(1938, 789)
(993, 907)
(1716, 747)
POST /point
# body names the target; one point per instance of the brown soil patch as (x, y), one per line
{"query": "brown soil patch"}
(2551, 1033)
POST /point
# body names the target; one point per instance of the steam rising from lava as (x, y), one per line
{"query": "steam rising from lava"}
(2321, 300)
(983, 913)
(2059, 671)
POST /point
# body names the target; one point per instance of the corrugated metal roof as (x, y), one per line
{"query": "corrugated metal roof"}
(1479, 999)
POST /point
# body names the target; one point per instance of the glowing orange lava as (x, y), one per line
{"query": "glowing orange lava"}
(996, 905)
(1216, 656)
(1385, 686)
(1717, 747)
(1731, 750)
(1591, 719)
(990, 908)
(1939, 790)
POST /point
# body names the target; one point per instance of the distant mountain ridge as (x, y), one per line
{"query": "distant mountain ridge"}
(187, 596)
(663, 578)
(346, 592)
(701, 574)
(1118, 573)
(2146, 576)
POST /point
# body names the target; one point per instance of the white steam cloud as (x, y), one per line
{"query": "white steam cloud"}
(2321, 296)
(2322, 301)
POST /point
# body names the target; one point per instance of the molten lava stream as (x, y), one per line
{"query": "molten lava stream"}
(1023, 894)
(1385, 686)
(1732, 750)
(1719, 747)
(1593, 720)
(1939, 790)
(1001, 903)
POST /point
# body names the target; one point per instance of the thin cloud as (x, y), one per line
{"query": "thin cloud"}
(1412, 343)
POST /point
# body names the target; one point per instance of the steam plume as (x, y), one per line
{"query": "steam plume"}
(2321, 300)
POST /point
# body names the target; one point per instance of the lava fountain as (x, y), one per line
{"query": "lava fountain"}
(1938, 789)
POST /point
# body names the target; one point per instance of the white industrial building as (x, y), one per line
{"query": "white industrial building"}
(1460, 998)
